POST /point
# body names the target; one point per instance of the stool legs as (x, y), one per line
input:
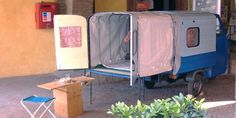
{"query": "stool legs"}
(32, 114)
(47, 109)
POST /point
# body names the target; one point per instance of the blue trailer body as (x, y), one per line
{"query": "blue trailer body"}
(201, 61)
(206, 62)
(222, 51)
(215, 63)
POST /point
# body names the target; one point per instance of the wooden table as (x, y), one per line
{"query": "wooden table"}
(68, 102)
(57, 84)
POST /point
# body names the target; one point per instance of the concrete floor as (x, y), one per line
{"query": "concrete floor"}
(108, 91)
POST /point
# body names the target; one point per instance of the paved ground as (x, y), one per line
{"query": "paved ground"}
(109, 91)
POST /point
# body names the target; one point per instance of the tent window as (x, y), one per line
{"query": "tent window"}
(193, 37)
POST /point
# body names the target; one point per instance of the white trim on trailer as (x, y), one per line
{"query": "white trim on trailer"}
(131, 50)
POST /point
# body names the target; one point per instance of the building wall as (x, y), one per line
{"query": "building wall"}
(83, 7)
(183, 4)
(24, 49)
(77, 7)
(110, 5)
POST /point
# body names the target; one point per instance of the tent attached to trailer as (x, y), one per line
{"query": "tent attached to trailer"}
(132, 44)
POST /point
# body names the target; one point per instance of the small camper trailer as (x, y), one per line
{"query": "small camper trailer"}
(144, 45)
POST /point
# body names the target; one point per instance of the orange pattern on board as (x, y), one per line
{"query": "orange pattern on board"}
(70, 37)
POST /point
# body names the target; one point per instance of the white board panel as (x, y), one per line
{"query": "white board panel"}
(71, 42)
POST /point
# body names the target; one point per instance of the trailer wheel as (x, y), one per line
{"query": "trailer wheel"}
(149, 84)
(195, 85)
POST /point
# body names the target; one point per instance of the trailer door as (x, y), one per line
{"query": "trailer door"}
(71, 42)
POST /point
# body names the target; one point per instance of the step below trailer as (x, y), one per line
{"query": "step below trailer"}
(150, 45)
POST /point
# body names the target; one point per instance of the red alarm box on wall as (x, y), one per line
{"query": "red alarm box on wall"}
(44, 13)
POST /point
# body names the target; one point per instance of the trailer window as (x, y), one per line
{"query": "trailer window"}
(192, 37)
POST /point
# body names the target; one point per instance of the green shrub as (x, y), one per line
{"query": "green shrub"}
(176, 107)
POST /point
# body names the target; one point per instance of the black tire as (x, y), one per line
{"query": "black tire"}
(169, 80)
(151, 83)
(195, 86)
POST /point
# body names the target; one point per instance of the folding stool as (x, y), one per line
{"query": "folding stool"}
(39, 100)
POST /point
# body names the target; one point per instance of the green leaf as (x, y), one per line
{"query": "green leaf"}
(202, 100)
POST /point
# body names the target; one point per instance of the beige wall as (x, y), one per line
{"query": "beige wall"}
(110, 5)
(24, 49)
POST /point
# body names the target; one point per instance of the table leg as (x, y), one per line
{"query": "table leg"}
(143, 87)
(91, 92)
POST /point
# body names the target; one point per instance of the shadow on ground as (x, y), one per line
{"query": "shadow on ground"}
(107, 91)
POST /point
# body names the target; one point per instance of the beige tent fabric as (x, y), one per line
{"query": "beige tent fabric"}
(155, 40)
(107, 34)
(155, 35)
